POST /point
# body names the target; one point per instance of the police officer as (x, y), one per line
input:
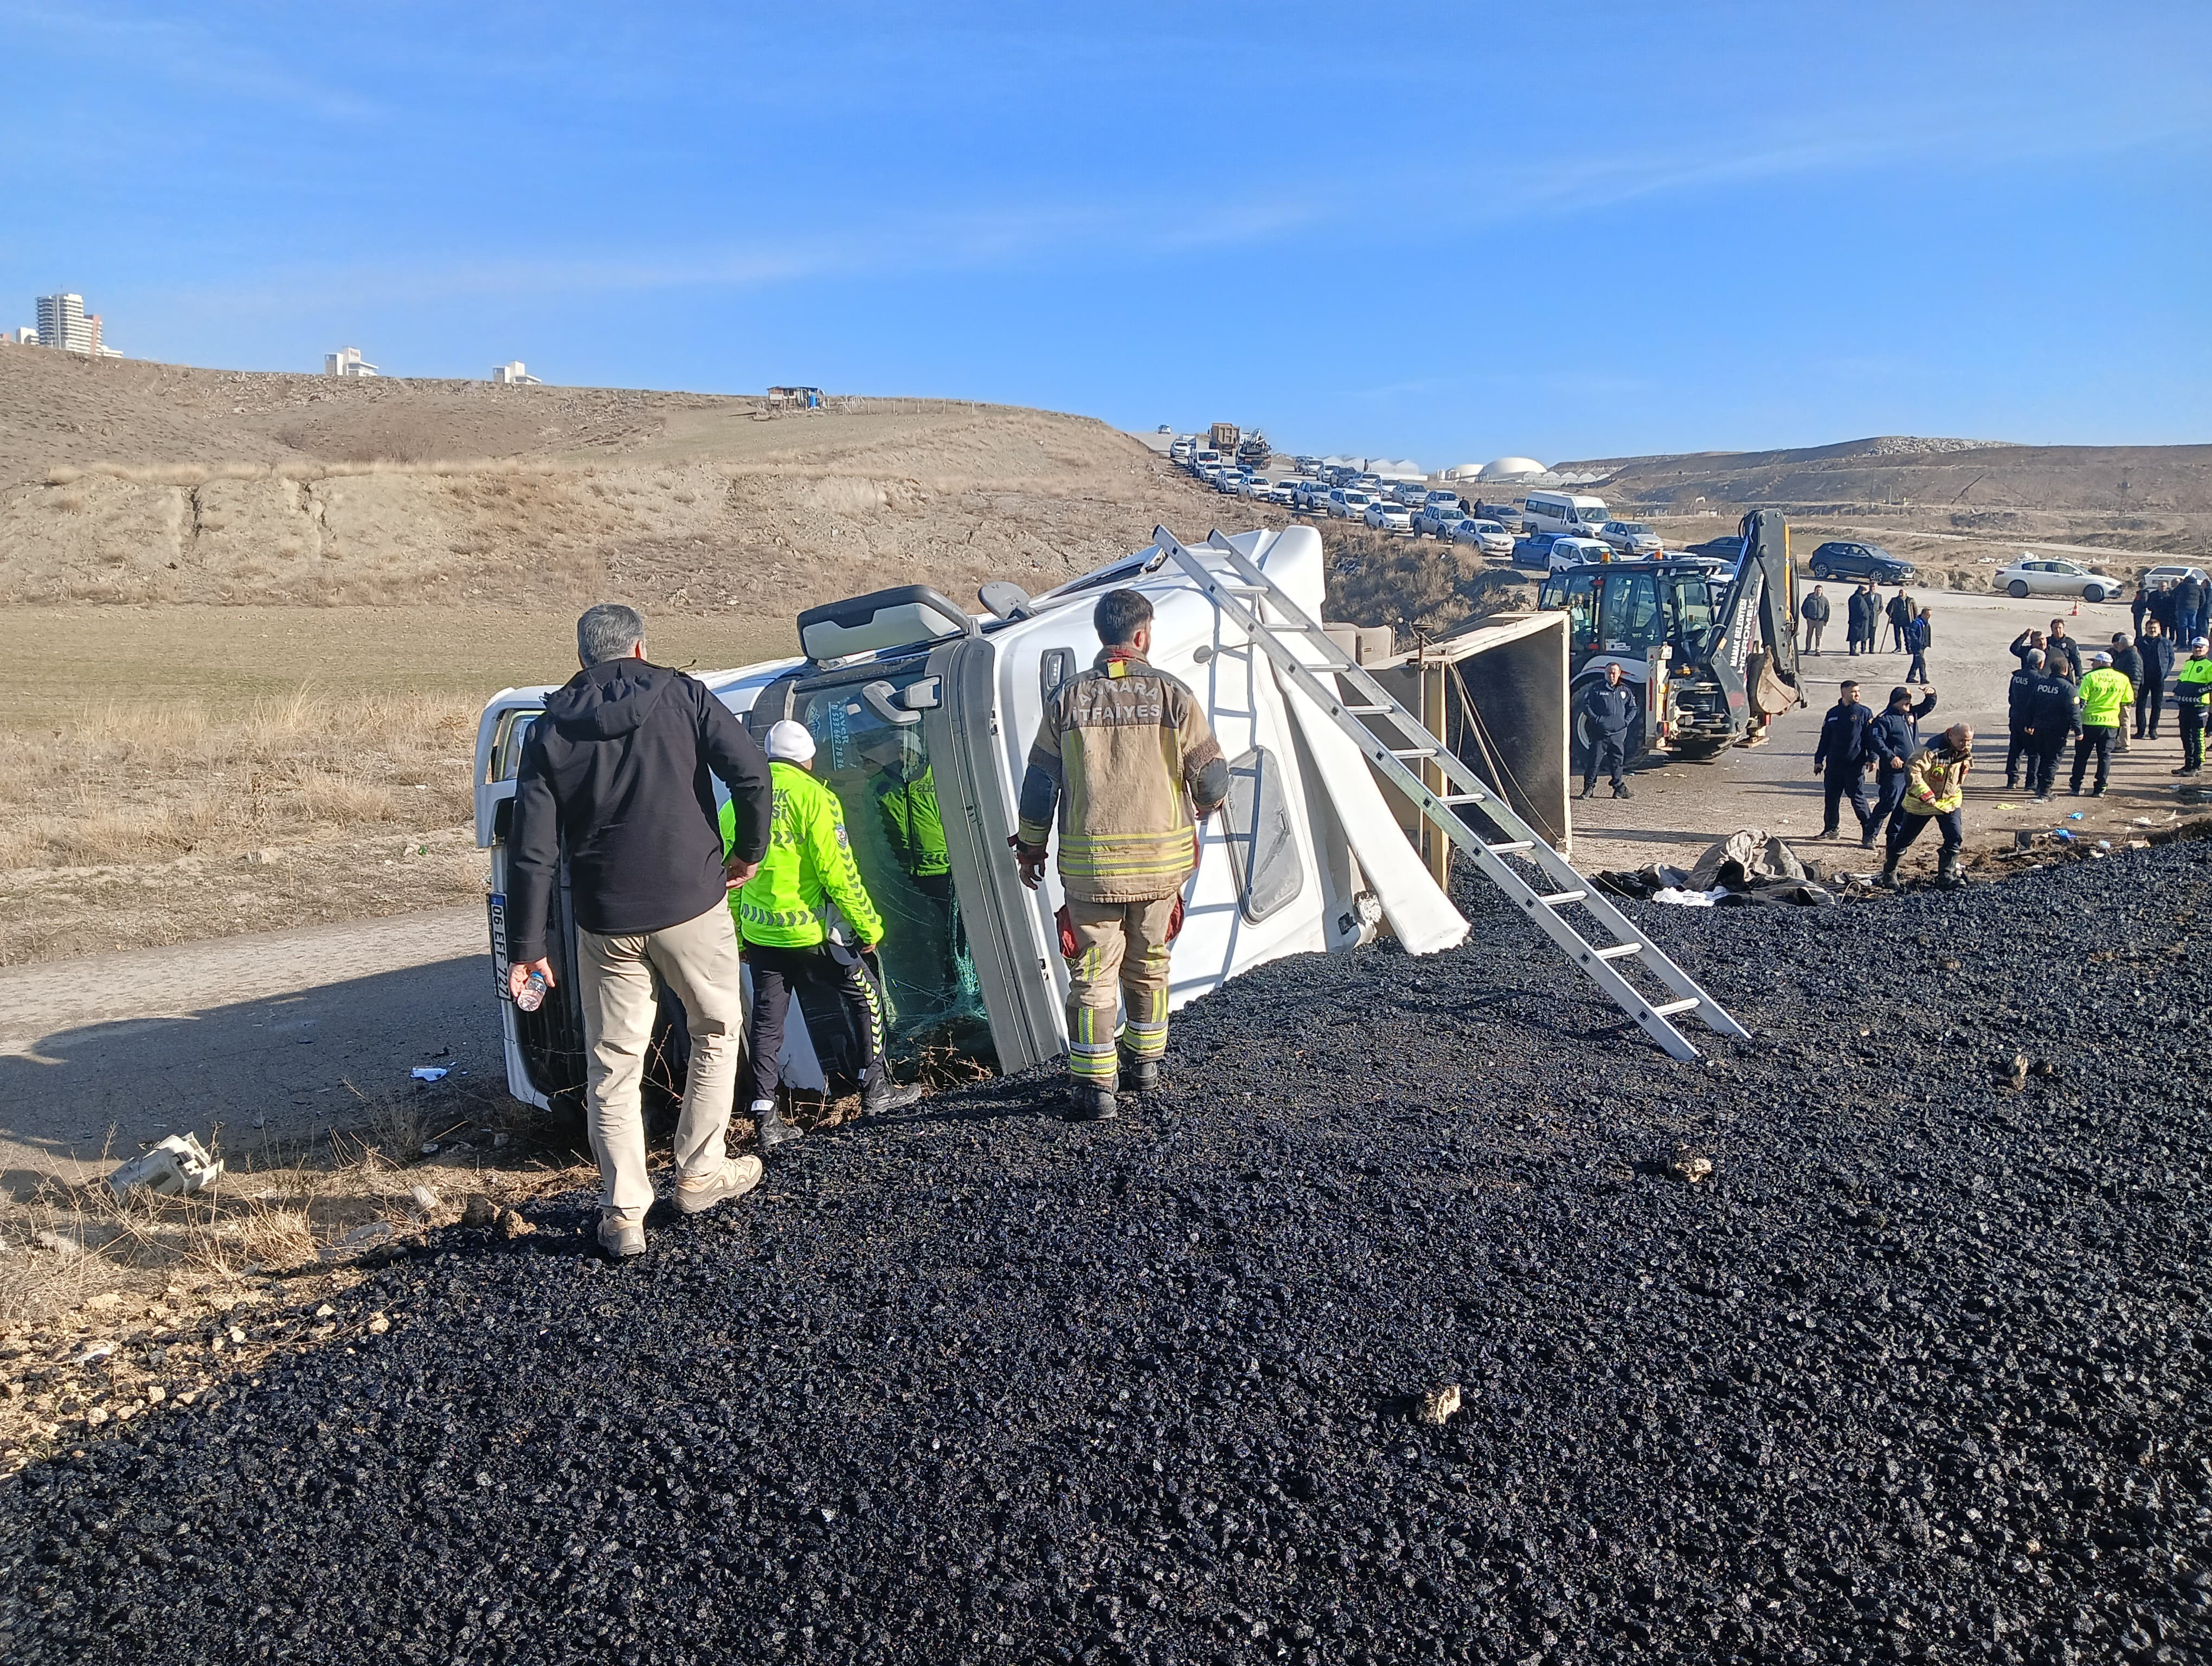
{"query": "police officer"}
(2019, 708)
(1609, 708)
(2106, 695)
(2192, 686)
(1840, 760)
(2054, 714)
(1891, 740)
(784, 916)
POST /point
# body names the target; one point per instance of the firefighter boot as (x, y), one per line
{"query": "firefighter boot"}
(1888, 877)
(1090, 1101)
(1950, 869)
(1139, 1075)
(770, 1129)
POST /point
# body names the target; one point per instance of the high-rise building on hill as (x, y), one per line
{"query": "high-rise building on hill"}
(65, 325)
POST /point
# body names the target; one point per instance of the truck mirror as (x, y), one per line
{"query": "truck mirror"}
(1005, 600)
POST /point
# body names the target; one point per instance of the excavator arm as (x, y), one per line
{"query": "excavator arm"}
(1755, 656)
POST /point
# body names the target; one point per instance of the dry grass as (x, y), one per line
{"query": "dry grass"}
(127, 780)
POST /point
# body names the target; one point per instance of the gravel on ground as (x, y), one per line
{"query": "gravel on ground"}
(1915, 1370)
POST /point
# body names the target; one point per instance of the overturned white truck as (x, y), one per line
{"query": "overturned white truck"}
(923, 714)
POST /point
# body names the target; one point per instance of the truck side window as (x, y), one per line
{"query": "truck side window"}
(1262, 844)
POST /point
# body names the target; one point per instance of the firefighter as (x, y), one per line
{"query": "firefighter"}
(2192, 684)
(784, 916)
(1610, 709)
(1123, 759)
(1936, 790)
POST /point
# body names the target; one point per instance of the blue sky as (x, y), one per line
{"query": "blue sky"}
(1447, 231)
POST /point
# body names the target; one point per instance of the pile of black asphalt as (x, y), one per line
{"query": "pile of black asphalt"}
(1918, 1372)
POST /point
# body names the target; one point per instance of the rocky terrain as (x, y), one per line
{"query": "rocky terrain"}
(1882, 1337)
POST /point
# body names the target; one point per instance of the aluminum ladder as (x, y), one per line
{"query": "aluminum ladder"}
(1243, 600)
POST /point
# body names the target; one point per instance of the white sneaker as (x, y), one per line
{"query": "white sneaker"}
(621, 1239)
(736, 1177)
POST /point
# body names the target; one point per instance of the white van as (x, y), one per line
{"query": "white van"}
(1564, 511)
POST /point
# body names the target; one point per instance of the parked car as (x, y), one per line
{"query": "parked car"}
(2157, 578)
(1203, 458)
(1488, 537)
(1182, 449)
(2041, 576)
(1387, 516)
(1349, 503)
(1438, 496)
(1437, 519)
(1412, 493)
(1564, 513)
(1575, 552)
(1229, 483)
(1310, 496)
(1283, 491)
(1859, 561)
(1631, 537)
(1534, 550)
(1257, 486)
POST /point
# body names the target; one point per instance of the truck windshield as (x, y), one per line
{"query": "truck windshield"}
(883, 775)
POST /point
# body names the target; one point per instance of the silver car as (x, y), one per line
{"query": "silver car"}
(1488, 537)
(1631, 537)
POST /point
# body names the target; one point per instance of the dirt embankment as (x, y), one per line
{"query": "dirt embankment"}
(140, 483)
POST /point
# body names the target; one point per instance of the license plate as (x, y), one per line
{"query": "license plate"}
(497, 905)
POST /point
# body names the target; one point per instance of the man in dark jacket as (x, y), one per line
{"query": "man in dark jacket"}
(1814, 611)
(1891, 740)
(2155, 648)
(2127, 659)
(2059, 646)
(1609, 710)
(2054, 716)
(1863, 608)
(2189, 607)
(1840, 761)
(2019, 707)
(619, 775)
(1900, 611)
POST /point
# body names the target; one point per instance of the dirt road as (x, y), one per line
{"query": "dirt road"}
(1681, 808)
(294, 1028)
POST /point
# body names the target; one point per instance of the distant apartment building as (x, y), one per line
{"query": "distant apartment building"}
(28, 336)
(65, 325)
(513, 374)
(347, 361)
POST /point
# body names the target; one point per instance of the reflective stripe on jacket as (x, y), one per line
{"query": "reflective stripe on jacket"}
(911, 821)
(809, 867)
(2193, 682)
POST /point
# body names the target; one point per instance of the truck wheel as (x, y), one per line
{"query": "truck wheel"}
(2017, 589)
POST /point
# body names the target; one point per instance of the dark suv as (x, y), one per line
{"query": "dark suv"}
(1859, 561)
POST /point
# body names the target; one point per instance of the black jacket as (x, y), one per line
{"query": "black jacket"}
(1862, 609)
(2056, 712)
(2019, 697)
(1896, 735)
(2157, 653)
(2059, 648)
(1612, 711)
(2129, 663)
(619, 777)
(1900, 610)
(1813, 610)
(1843, 749)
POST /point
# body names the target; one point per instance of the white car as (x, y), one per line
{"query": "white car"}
(1412, 495)
(1229, 483)
(2157, 578)
(2042, 575)
(1631, 537)
(1577, 552)
(1309, 496)
(1283, 491)
(1386, 516)
(1259, 486)
(1437, 519)
(1488, 537)
(1349, 503)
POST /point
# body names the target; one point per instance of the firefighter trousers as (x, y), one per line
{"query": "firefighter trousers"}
(1120, 948)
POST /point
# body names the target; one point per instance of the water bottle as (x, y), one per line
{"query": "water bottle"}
(533, 993)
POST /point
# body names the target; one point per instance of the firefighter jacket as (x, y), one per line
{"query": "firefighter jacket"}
(906, 805)
(1842, 748)
(1936, 782)
(1123, 755)
(2104, 691)
(1896, 735)
(2193, 682)
(808, 869)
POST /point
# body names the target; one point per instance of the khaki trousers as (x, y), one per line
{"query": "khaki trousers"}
(1122, 948)
(698, 960)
